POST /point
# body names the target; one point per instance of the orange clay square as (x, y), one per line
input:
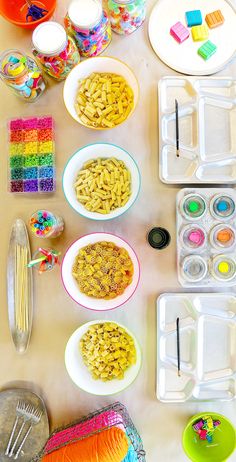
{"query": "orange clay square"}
(214, 19)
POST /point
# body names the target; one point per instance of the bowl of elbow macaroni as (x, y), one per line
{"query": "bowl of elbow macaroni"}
(100, 271)
(103, 357)
(101, 181)
(101, 93)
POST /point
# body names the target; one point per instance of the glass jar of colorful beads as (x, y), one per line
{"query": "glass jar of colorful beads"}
(46, 224)
(54, 50)
(126, 15)
(88, 24)
(22, 74)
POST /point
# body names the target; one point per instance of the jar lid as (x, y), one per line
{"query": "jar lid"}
(49, 38)
(85, 13)
(159, 238)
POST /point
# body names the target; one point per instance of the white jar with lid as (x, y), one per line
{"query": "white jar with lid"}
(55, 51)
(87, 22)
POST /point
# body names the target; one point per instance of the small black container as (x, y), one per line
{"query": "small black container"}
(159, 238)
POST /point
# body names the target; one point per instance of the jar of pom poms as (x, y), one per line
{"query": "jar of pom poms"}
(126, 15)
(22, 74)
(54, 50)
(88, 23)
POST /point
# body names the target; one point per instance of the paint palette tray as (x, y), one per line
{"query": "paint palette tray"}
(207, 332)
(206, 237)
(207, 117)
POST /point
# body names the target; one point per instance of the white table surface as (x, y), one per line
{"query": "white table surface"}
(56, 316)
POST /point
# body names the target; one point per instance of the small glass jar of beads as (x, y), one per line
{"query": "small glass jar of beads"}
(46, 224)
(22, 74)
(54, 50)
(126, 15)
(88, 23)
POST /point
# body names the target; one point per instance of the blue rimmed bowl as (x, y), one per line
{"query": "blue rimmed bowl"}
(93, 151)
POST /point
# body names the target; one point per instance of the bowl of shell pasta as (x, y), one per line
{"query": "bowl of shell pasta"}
(101, 181)
(103, 357)
(100, 271)
(101, 93)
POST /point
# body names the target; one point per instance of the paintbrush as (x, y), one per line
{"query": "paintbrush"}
(177, 127)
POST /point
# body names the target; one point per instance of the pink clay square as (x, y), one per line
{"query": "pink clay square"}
(179, 32)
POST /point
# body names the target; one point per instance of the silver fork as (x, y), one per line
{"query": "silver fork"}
(26, 415)
(35, 419)
(20, 408)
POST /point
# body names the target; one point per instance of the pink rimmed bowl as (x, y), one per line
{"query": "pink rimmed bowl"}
(71, 286)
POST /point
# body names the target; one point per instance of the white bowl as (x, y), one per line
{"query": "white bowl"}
(93, 151)
(80, 374)
(71, 285)
(84, 69)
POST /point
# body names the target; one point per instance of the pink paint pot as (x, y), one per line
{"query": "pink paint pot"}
(193, 237)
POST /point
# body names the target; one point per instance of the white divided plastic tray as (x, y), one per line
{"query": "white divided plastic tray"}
(207, 134)
(207, 251)
(207, 347)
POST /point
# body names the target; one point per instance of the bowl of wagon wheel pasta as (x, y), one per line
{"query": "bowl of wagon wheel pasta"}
(100, 271)
(101, 181)
(103, 357)
(101, 93)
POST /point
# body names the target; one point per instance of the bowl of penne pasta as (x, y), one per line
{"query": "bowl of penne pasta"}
(103, 357)
(101, 181)
(100, 271)
(101, 93)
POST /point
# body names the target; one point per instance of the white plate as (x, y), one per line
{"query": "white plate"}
(80, 374)
(87, 67)
(71, 285)
(207, 347)
(208, 251)
(207, 117)
(183, 57)
(93, 151)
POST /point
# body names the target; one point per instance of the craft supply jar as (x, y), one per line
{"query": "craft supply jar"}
(126, 15)
(46, 224)
(44, 260)
(89, 25)
(22, 74)
(54, 50)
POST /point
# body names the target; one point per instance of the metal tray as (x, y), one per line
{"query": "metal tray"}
(207, 117)
(208, 251)
(207, 347)
(39, 433)
(19, 236)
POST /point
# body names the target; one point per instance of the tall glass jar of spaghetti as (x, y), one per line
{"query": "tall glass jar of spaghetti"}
(88, 23)
(126, 15)
(54, 50)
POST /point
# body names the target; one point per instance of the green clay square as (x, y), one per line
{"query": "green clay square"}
(46, 159)
(207, 50)
(31, 161)
(16, 161)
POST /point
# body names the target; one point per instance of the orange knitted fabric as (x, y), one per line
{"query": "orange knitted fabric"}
(108, 446)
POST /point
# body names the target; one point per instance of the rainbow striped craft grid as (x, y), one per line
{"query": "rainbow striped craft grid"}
(31, 155)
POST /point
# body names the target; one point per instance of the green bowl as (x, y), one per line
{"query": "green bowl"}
(222, 446)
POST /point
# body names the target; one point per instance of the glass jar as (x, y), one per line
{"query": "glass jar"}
(56, 52)
(88, 24)
(46, 224)
(126, 15)
(22, 74)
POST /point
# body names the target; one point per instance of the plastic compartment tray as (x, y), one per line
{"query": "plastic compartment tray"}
(207, 347)
(207, 117)
(31, 143)
(206, 222)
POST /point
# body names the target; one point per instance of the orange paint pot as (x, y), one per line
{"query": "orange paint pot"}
(222, 236)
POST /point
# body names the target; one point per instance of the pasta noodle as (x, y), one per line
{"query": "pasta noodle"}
(103, 270)
(21, 289)
(104, 100)
(103, 185)
(108, 351)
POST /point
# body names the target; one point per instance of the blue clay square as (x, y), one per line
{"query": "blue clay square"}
(193, 18)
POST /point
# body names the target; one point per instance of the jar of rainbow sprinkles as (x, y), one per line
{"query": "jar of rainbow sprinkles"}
(126, 15)
(89, 25)
(56, 52)
(22, 74)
